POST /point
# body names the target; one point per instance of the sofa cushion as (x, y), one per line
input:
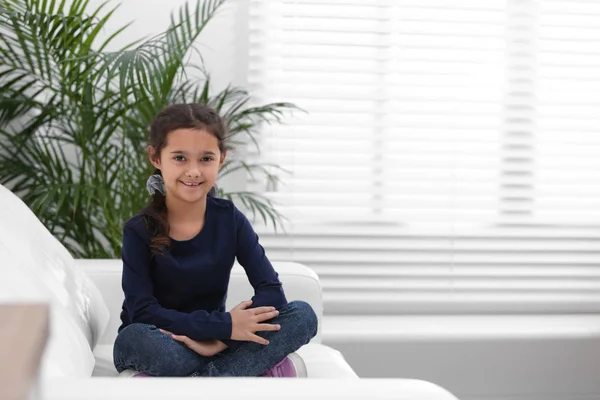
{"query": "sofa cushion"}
(324, 362)
(321, 362)
(35, 266)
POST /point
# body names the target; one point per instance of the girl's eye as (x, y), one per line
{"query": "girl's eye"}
(207, 159)
(179, 158)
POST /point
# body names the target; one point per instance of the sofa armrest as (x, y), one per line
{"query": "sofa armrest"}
(242, 388)
(106, 275)
(299, 283)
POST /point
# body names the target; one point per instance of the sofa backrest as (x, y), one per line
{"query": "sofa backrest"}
(34, 267)
(299, 283)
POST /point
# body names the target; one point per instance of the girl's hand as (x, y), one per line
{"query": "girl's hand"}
(205, 348)
(245, 323)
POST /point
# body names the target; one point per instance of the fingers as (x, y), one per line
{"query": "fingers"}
(266, 316)
(257, 339)
(243, 305)
(263, 310)
(267, 327)
(181, 338)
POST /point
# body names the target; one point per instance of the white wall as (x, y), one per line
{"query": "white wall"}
(525, 369)
(502, 357)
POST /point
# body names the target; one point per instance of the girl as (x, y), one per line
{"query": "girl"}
(177, 258)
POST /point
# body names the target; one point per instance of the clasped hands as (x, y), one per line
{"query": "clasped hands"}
(245, 323)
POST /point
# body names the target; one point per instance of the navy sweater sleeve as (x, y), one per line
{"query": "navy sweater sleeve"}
(143, 307)
(268, 290)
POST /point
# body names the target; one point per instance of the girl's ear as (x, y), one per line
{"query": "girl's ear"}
(152, 156)
(223, 156)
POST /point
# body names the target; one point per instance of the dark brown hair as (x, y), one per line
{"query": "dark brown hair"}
(171, 118)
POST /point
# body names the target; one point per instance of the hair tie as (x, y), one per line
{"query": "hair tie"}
(156, 183)
(213, 191)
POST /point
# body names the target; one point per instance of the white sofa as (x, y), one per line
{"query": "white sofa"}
(86, 298)
(299, 283)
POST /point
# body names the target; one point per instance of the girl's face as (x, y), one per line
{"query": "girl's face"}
(189, 162)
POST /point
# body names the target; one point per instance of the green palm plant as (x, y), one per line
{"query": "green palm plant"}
(74, 116)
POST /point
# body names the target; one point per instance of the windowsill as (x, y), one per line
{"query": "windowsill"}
(459, 327)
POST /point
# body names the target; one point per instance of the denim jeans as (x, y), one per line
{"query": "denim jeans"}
(145, 349)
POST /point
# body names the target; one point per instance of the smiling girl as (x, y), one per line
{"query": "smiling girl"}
(177, 258)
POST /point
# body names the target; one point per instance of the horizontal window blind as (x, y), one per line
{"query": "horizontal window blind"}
(449, 156)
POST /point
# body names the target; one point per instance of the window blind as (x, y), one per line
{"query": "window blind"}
(449, 157)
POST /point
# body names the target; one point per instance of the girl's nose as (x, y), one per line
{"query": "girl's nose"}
(193, 172)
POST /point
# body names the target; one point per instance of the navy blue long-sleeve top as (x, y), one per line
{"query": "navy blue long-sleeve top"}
(184, 289)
